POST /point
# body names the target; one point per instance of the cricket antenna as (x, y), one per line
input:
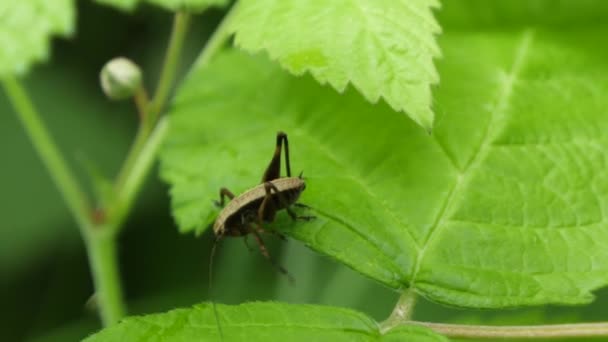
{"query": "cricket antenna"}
(217, 318)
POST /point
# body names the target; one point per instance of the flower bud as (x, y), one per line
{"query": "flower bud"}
(120, 78)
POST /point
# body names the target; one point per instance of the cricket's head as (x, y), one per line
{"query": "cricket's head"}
(299, 183)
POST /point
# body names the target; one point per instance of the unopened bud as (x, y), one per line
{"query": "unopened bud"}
(120, 78)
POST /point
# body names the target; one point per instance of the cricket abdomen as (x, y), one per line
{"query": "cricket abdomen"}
(238, 214)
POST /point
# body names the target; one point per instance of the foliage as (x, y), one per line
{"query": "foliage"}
(259, 322)
(26, 28)
(500, 205)
(501, 173)
(384, 48)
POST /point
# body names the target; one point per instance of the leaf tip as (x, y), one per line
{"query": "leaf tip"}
(425, 119)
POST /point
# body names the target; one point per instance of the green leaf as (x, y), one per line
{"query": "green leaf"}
(502, 206)
(259, 322)
(170, 5)
(26, 28)
(517, 13)
(384, 48)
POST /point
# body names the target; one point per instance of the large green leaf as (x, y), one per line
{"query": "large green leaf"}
(171, 5)
(259, 322)
(26, 28)
(476, 14)
(502, 206)
(385, 48)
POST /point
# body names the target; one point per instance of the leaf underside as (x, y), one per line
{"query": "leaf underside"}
(502, 206)
(259, 322)
(170, 5)
(384, 48)
(26, 28)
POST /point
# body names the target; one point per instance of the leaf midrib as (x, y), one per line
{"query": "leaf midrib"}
(480, 153)
(357, 178)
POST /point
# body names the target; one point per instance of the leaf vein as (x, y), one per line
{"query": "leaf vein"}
(480, 152)
(351, 227)
(357, 179)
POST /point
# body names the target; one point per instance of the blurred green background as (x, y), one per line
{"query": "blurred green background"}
(45, 284)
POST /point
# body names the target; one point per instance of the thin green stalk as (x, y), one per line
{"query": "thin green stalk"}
(402, 312)
(141, 103)
(49, 153)
(149, 112)
(178, 34)
(134, 152)
(145, 125)
(502, 332)
(101, 247)
(137, 174)
(103, 260)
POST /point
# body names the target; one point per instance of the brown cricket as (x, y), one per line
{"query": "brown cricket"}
(246, 214)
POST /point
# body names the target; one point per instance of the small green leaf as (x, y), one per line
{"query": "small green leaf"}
(504, 205)
(259, 322)
(26, 28)
(385, 48)
(171, 5)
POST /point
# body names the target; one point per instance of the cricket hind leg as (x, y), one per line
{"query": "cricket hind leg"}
(224, 192)
(273, 232)
(266, 211)
(273, 171)
(264, 252)
(259, 228)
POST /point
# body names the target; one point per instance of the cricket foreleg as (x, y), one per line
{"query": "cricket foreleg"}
(302, 205)
(223, 194)
(296, 217)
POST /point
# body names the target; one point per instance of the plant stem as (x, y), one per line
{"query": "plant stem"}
(137, 174)
(149, 111)
(128, 164)
(402, 312)
(49, 153)
(219, 37)
(103, 260)
(178, 33)
(141, 103)
(101, 247)
(534, 331)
